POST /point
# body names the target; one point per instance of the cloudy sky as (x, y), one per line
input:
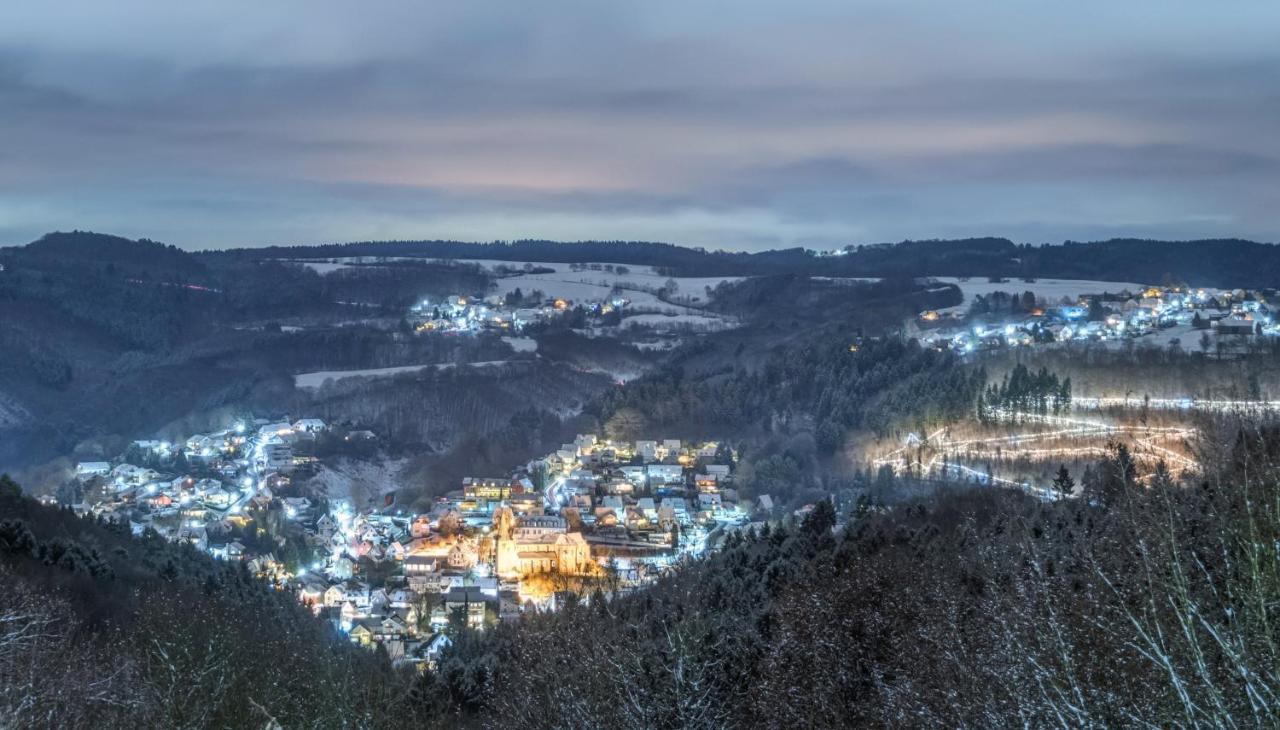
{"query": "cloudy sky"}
(742, 125)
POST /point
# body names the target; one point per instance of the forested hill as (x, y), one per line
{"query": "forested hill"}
(142, 257)
(1209, 262)
(99, 629)
(1217, 262)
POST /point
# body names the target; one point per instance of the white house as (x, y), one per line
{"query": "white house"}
(87, 469)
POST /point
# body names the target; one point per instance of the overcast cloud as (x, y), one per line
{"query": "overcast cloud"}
(729, 125)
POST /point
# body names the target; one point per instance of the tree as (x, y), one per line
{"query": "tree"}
(1063, 482)
(821, 519)
(9, 489)
(627, 424)
(450, 524)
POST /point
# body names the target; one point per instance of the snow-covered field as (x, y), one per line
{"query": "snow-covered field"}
(329, 266)
(522, 344)
(1051, 289)
(1188, 338)
(587, 285)
(677, 321)
(317, 379)
(582, 285)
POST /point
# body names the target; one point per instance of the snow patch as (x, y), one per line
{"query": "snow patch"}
(364, 483)
(319, 378)
(522, 344)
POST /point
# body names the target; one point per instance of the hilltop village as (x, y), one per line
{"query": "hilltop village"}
(592, 516)
(1208, 320)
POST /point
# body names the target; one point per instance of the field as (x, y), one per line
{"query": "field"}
(317, 379)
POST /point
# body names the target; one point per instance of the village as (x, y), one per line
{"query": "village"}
(593, 515)
(512, 312)
(1223, 321)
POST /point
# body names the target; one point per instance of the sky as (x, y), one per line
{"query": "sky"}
(739, 125)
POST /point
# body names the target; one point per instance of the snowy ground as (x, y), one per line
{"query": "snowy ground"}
(317, 379)
(1052, 290)
(586, 285)
(638, 284)
(362, 482)
(1188, 338)
(677, 322)
(329, 266)
(522, 344)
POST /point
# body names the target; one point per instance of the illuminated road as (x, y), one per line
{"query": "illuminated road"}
(1149, 444)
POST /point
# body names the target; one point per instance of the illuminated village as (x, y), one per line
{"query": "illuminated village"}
(592, 516)
(1199, 319)
(513, 312)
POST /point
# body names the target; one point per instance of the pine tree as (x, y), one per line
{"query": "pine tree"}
(1063, 482)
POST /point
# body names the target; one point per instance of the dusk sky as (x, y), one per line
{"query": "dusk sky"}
(738, 125)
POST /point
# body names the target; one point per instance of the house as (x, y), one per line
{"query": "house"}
(486, 488)
(334, 596)
(636, 519)
(536, 527)
(128, 474)
(275, 456)
(677, 505)
(663, 474)
(647, 506)
(309, 425)
(1235, 326)
(362, 633)
(274, 431)
(343, 568)
(86, 469)
(311, 591)
(434, 648)
(427, 583)
(462, 556)
(647, 450)
(469, 603)
(765, 503)
(218, 498)
(295, 506)
(196, 536)
(401, 598)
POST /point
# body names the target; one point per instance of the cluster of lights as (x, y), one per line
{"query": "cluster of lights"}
(1013, 447)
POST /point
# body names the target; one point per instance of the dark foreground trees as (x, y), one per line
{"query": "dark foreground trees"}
(102, 630)
(983, 608)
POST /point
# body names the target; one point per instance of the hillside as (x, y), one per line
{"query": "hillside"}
(147, 633)
(104, 339)
(140, 258)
